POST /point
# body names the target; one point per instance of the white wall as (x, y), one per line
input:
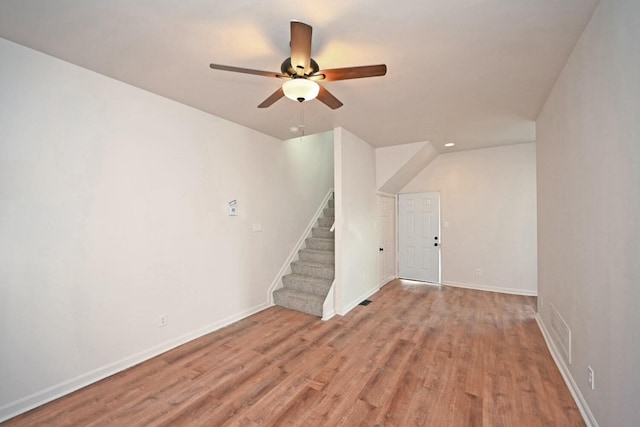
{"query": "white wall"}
(113, 211)
(406, 172)
(488, 199)
(356, 218)
(307, 166)
(389, 160)
(589, 210)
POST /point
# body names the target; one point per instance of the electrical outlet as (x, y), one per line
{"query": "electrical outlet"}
(162, 320)
(592, 380)
(478, 271)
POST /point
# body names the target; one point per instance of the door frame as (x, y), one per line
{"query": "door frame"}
(394, 227)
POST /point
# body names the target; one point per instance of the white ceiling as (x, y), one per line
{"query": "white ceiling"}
(473, 72)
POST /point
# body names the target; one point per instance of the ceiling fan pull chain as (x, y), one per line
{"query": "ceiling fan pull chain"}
(301, 126)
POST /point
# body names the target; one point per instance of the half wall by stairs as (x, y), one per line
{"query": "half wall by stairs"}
(306, 288)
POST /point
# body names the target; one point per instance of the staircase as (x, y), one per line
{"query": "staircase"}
(306, 288)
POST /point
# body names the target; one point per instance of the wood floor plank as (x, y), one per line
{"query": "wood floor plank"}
(398, 410)
(384, 381)
(416, 355)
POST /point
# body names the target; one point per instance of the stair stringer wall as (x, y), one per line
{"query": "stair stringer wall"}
(293, 256)
(356, 215)
(329, 306)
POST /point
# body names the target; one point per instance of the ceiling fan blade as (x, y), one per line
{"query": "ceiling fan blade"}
(245, 70)
(352, 72)
(300, 47)
(328, 99)
(272, 99)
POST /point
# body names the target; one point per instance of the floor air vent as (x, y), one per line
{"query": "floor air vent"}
(365, 302)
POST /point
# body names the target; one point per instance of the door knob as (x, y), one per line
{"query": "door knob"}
(381, 249)
(435, 244)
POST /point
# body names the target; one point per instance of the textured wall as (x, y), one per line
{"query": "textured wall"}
(113, 211)
(488, 201)
(589, 209)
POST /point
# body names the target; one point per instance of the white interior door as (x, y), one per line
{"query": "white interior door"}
(419, 236)
(387, 236)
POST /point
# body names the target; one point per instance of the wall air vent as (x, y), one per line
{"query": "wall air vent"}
(561, 332)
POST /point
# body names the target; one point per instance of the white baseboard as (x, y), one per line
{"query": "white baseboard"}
(286, 266)
(583, 407)
(353, 304)
(41, 397)
(491, 289)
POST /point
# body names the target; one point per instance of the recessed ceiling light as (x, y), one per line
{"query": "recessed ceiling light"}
(449, 144)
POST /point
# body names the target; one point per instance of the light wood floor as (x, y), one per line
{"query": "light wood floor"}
(417, 355)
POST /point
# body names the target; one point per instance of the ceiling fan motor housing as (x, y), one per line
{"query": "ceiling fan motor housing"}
(287, 68)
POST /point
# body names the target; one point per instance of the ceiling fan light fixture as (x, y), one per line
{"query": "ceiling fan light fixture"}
(300, 89)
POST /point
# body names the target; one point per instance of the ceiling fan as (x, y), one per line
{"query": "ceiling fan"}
(302, 72)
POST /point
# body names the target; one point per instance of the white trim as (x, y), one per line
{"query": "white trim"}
(512, 291)
(394, 275)
(347, 308)
(41, 397)
(286, 266)
(583, 407)
(396, 214)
